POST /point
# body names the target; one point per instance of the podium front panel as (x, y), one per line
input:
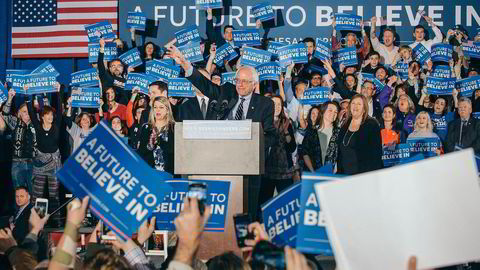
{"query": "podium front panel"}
(219, 157)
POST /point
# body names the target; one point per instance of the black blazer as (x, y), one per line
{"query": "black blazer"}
(260, 108)
(368, 147)
(166, 146)
(190, 110)
(22, 227)
(470, 137)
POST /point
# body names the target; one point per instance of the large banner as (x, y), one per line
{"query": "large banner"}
(295, 20)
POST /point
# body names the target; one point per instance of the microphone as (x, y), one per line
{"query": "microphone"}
(221, 109)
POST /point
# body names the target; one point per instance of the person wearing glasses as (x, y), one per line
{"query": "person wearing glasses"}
(237, 102)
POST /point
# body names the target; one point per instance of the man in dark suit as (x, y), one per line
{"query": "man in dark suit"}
(19, 221)
(465, 131)
(200, 107)
(236, 102)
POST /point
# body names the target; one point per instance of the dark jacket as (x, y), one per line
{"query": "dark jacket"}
(167, 147)
(21, 224)
(190, 110)
(470, 135)
(260, 107)
(23, 136)
(108, 80)
(368, 146)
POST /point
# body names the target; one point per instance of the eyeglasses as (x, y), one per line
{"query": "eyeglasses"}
(242, 81)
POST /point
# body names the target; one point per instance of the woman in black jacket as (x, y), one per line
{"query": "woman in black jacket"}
(157, 136)
(359, 141)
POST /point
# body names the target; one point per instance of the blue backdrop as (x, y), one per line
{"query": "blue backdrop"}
(293, 22)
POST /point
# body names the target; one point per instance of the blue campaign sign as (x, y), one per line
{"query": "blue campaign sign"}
(323, 50)
(192, 52)
(471, 49)
(296, 53)
(206, 4)
(17, 81)
(466, 86)
(402, 70)
(269, 71)
(118, 181)
(40, 83)
(168, 61)
(441, 71)
(254, 57)
(86, 97)
(315, 96)
(85, 78)
(224, 53)
(99, 30)
(424, 146)
(281, 216)
(348, 22)
(311, 230)
(476, 115)
(3, 93)
(274, 46)
(440, 86)
(186, 35)
(229, 77)
(109, 53)
(346, 56)
(139, 81)
(392, 157)
(136, 20)
(250, 37)
(441, 52)
(131, 58)
(421, 54)
(263, 12)
(45, 67)
(315, 68)
(11, 72)
(370, 77)
(180, 87)
(218, 194)
(161, 71)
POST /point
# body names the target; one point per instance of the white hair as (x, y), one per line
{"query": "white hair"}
(252, 70)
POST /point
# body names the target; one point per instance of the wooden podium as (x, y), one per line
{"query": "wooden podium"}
(226, 151)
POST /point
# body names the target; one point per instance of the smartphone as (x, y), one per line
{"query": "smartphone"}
(199, 191)
(269, 254)
(104, 231)
(241, 222)
(41, 206)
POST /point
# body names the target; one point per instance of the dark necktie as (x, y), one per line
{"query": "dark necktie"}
(203, 108)
(239, 114)
(462, 124)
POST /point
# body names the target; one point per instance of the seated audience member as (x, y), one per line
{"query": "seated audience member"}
(419, 33)
(388, 128)
(24, 142)
(463, 132)
(157, 136)
(387, 50)
(359, 141)
(19, 221)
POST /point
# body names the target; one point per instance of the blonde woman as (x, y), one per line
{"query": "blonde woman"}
(424, 128)
(156, 139)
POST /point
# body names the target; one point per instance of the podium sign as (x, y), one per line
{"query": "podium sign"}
(217, 130)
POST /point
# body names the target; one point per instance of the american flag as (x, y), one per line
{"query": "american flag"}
(55, 28)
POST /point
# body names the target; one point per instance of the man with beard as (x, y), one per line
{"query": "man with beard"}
(387, 50)
(114, 77)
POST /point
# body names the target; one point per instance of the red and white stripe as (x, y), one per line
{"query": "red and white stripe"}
(68, 38)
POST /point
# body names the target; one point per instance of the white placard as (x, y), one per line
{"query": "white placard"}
(429, 209)
(217, 130)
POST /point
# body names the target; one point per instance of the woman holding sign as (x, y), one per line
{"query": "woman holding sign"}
(156, 137)
(359, 141)
(81, 127)
(47, 160)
